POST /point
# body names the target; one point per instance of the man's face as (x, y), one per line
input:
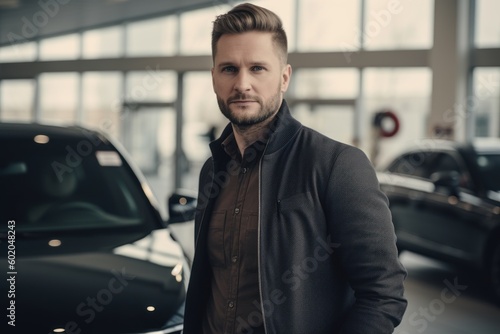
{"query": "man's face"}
(249, 78)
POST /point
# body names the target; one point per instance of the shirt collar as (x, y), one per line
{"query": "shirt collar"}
(251, 155)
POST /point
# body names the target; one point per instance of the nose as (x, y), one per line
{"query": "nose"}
(242, 82)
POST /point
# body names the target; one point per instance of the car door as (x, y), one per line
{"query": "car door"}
(406, 187)
(448, 219)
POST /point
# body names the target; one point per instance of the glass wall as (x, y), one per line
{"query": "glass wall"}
(16, 100)
(287, 11)
(485, 102)
(487, 23)
(320, 94)
(326, 83)
(328, 25)
(153, 37)
(404, 91)
(346, 97)
(59, 97)
(398, 24)
(195, 30)
(18, 52)
(103, 43)
(59, 48)
(102, 96)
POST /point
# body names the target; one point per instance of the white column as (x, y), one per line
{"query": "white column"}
(449, 60)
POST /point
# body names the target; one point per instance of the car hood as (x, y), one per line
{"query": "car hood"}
(494, 195)
(134, 287)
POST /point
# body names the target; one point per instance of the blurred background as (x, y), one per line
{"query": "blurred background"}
(139, 71)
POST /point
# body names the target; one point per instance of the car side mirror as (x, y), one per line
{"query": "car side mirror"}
(450, 179)
(181, 207)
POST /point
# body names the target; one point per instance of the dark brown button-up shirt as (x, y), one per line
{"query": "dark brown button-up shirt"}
(234, 303)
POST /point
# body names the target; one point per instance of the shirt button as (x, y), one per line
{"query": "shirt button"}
(244, 170)
(234, 259)
(231, 304)
(237, 210)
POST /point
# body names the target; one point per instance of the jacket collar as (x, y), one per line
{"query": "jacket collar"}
(280, 131)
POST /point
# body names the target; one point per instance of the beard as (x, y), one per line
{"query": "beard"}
(239, 118)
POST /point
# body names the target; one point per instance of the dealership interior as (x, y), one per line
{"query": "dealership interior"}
(139, 72)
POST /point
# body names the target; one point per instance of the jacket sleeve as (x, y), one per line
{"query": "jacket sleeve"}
(360, 221)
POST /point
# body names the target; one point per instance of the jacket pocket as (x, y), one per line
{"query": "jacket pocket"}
(295, 202)
(300, 214)
(216, 246)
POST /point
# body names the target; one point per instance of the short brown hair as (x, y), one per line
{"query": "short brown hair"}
(248, 17)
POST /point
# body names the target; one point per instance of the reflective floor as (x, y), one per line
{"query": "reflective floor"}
(445, 300)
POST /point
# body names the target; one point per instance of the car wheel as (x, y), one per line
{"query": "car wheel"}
(494, 272)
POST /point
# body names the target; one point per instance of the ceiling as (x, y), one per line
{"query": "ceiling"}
(26, 20)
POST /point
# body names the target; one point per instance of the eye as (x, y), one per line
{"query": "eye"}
(229, 69)
(257, 68)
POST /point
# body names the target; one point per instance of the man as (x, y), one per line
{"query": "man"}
(292, 232)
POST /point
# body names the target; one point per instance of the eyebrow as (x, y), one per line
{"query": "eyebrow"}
(254, 63)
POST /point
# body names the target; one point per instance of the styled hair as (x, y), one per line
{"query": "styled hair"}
(248, 17)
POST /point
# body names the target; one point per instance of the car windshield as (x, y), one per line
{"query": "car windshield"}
(489, 167)
(66, 185)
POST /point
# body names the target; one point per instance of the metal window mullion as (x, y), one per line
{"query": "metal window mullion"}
(470, 121)
(179, 154)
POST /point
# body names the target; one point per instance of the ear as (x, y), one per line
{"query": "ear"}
(286, 75)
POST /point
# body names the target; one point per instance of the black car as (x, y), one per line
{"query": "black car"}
(445, 202)
(84, 248)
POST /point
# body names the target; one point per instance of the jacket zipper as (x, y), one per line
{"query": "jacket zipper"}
(258, 240)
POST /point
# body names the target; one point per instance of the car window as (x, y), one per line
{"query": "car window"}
(413, 164)
(62, 185)
(489, 170)
(443, 162)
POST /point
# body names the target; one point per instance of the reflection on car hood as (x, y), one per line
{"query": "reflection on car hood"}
(396, 180)
(494, 195)
(132, 288)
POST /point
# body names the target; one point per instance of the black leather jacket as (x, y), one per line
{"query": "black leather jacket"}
(327, 256)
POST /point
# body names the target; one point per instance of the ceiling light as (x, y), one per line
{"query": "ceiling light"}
(55, 243)
(41, 139)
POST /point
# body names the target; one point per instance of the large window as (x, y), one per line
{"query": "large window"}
(487, 23)
(404, 91)
(319, 101)
(59, 48)
(149, 129)
(152, 37)
(103, 43)
(398, 24)
(336, 122)
(195, 29)
(18, 52)
(59, 97)
(102, 101)
(326, 83)
(286, 11)
(486, 101)
(151, 85)
(16, 100)
(202, 119)
(328, 25)
(339, 102)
